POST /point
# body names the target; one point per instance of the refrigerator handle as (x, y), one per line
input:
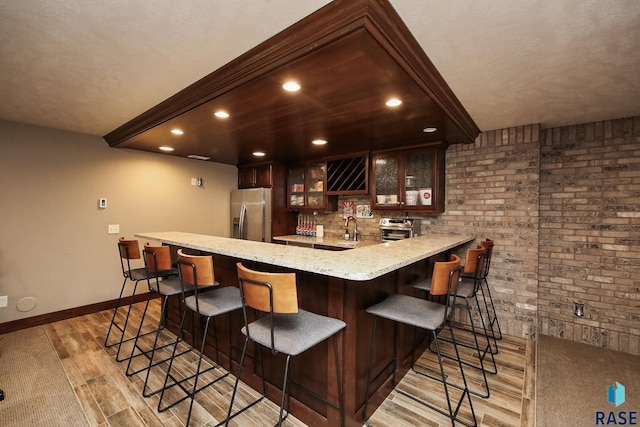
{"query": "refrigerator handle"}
(243, 215)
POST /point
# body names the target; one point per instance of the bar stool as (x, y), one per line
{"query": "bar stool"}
(487, 245)
(156, 260)
(467, 289)
(283, 328)
(431, 316)
(129, 250)
(208, 301)
(493, 321)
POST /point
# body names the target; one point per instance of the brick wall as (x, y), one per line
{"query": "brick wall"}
(492, 192)
(590, 233)
(563, 208)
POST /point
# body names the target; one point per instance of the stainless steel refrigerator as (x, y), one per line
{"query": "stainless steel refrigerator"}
(251, 214)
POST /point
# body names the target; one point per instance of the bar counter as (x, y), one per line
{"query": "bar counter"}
(337, 284)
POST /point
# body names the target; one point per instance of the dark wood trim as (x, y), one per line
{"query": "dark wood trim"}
(56, 316)
(325, 26)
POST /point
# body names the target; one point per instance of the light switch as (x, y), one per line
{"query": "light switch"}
(102, 203)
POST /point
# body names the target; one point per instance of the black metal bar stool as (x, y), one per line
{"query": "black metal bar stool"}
(156, 260)
(481, 277)
(208, 301)
(432, 317)
(494, 324)
(284, 328)
(467, 289)
(129, 250)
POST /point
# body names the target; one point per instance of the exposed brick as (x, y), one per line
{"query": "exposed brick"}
(563, 207)
(610, 150)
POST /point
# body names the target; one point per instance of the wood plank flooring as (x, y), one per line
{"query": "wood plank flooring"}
(110, 398)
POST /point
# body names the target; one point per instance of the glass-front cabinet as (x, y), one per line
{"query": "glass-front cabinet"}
(307, 188)
(409, 179)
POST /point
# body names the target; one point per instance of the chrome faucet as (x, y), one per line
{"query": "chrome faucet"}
(355, 227)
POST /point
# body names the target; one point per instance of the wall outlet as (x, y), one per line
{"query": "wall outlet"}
(4, 300)
(113, 228)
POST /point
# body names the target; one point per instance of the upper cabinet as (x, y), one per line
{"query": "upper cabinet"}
(409, 179)
(253, 176)
(306, 187)
(348, 176)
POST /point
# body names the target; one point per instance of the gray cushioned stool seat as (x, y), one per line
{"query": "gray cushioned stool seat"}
(169, 286)
(410, 310)
(293, 333)
(215, 302)
(424, 285)
(465, 289)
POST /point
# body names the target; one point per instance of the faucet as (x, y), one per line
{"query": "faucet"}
(355, 227)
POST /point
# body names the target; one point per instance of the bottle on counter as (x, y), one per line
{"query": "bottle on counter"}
(346, 234)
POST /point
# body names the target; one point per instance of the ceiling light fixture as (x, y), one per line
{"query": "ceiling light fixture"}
(429, 129)
(291, 86)
(164, 148)
(197, 157)
(319, 142)
(259, 153)
(221, 114)
(393, 102)
(177, 131)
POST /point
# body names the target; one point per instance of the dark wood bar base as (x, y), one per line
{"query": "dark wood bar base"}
(315, 369)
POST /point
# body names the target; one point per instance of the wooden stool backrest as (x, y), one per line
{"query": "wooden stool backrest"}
(196, 270)
(488, 245)
(473, 258)
(440, 278)
(157, 258)
(129, 249)
(268, 292)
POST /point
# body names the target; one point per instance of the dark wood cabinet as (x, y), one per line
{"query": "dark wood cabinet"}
(409, 180)
(273, 175)
(254, 176)
(306, 188)
(348, 175)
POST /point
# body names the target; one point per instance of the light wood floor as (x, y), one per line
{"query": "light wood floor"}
(110, 398)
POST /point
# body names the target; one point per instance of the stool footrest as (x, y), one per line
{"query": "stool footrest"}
(189, 392)
(440, 411)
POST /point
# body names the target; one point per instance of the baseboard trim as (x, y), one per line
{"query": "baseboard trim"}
(56, 316)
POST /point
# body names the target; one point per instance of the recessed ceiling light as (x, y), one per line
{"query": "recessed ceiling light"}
(176, 131)
(429, 129)
(197, 157)
(319, 142)
(393, 102)
(164, 148)
(259, 153)
(291, 86)
(221, 114)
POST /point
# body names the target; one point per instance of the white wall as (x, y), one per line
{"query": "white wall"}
(54, 245)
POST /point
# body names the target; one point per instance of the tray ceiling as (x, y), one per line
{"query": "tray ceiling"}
(90, 67)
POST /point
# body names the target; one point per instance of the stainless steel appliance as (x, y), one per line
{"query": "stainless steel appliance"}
(392, 229)
(251, 214)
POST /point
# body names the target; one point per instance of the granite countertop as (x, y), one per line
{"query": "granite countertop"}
(313, 241)
(359, 264)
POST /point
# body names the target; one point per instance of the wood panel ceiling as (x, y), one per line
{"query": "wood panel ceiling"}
(349, 57)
